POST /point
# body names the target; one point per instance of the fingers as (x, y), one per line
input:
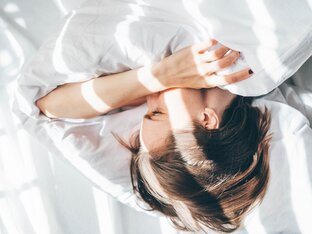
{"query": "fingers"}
(216, 80)
(213, 55)
(203, 46)
(222, 63)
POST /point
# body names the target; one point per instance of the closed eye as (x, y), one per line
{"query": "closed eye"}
(156, 113)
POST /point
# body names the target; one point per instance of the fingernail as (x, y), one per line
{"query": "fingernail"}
(250, 72)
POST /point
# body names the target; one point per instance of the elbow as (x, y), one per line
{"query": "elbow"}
(45, 107)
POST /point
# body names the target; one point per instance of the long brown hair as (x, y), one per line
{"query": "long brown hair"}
(211, 182)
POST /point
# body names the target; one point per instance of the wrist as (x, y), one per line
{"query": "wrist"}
(165, 73)
(152, 78)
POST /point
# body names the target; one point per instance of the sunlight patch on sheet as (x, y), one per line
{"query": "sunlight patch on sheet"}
(103, 209)
(191, 6)
(26, 156)
(253, 222)
(15, 46)
(33, 204)
(11, 8)
(123, 31)
(60, 5)
(137, 10)
(17, 164)
(263, 19)
(123, 39)
(166, 227)
(11, 167)
(21, 22)
(5, 58)
(58, 60)
(143, 2)
(266, 54)
(52, 163)
(301, 201)
(310, 4)
(7, 218)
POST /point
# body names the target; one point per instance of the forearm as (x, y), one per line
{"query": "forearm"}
(100, 95)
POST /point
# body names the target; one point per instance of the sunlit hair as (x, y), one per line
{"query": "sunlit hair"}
(212, 182)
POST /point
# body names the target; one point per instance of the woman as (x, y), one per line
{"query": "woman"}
(201, 156)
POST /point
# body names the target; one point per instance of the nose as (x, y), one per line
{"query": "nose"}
(152, 97)
(152, 101)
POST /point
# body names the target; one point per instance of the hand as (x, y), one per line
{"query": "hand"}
(194, 67)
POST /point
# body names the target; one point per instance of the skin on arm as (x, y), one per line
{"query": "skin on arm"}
(99, 95)
(190, 67)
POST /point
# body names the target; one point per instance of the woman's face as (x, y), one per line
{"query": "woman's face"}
(173, 109)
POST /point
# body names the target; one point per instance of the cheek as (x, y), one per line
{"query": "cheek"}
(177, 109)
(179, 117)
(173, 101)
(153, 135)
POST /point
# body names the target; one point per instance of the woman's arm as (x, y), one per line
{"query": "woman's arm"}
(190, 67)
(100, 95)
